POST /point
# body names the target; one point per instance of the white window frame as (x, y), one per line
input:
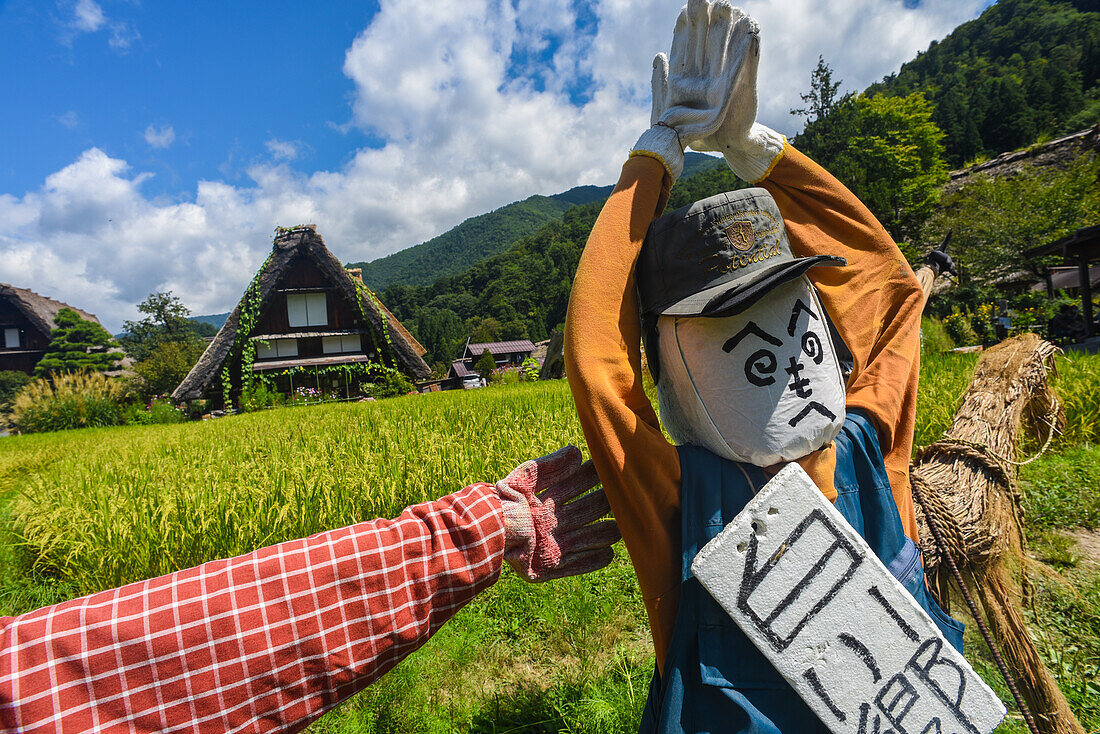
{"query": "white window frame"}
(342, 344)
(275, 348)
(307, 309)
(11, 337)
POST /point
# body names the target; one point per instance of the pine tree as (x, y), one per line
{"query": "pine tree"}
(822, 96)
(485, 365)
(75, 345)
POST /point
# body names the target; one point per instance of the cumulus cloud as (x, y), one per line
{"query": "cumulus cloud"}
(285, 150)
(159, 137)
(477, 104)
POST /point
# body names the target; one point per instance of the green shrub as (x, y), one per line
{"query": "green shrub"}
(166, 366)
(73, 400)
(529, 370)
(960, 330)
(387, 384)
(933, 336)
(505, 376)
(156, 411)
(260, 397)
(11, 382)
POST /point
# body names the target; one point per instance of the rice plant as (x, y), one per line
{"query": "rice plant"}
(86, 510)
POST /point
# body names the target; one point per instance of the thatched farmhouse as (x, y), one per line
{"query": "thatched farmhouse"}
(26, 320)
(303, 321)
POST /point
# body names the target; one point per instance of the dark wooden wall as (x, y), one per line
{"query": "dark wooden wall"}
(31, 340)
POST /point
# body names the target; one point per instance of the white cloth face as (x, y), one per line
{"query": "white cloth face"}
(762, 386)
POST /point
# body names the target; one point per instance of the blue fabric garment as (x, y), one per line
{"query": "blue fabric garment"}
(715, 679)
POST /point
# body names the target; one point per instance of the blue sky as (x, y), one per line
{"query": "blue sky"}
(215, 82)
(155, 145)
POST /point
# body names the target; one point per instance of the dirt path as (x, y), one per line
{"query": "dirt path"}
(1087, 545)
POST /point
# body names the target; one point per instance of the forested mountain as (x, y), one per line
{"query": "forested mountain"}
(521, 293)
(486, 235)
(1021, 70)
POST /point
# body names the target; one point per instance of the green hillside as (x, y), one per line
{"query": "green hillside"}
(1023, 70)
(486, 235)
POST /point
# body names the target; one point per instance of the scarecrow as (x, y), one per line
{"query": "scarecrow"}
(270, 640)
(781, 323)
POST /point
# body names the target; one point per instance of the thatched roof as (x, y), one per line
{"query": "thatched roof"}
(40, 310)
(1058, 152)
(288, 245)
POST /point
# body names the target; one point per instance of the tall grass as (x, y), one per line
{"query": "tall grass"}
(145, 501)
(72, 400)
(1078, 387)
(945, 377)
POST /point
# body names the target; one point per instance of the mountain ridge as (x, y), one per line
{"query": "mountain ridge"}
(483, 236)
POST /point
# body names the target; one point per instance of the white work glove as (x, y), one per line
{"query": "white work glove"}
(750, 148)
(550, 528)
(692, 92)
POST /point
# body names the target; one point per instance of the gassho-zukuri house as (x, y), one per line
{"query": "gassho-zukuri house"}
(304, 322)
(26, 320)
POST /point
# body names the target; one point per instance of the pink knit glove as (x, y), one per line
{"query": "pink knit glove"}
(549, 529)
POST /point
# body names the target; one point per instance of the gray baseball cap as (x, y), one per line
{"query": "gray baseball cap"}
(718, 256)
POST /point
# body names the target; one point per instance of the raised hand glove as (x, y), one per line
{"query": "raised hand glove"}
(940, 262)
(693, 90)
(549, 528)
(750, 148)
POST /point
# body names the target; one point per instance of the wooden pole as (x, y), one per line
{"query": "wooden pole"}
(1086, 293)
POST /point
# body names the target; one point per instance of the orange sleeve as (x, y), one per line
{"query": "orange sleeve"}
(639, 469)
(875, 302)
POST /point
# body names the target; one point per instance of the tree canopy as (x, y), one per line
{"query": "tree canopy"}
(166, 320)
(888, 151)
(1023, 69)
(995, 220)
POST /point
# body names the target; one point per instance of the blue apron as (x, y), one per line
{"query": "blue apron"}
(715, 679)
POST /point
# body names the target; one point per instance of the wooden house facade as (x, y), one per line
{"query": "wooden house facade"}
(26, 320)
(304, 321)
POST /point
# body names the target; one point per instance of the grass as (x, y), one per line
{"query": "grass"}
(89, 509)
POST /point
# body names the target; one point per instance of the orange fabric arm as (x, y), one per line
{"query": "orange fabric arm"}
(639, 469)
(875, 302)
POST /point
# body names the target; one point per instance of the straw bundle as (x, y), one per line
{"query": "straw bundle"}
(968, 482)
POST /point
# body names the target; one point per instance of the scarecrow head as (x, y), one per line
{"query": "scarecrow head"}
(736, 337)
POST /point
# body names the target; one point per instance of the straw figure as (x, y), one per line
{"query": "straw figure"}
(967, 483)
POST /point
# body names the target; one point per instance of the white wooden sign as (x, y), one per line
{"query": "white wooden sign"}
(852, 642)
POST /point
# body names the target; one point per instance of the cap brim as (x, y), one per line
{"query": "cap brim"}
(735, 296)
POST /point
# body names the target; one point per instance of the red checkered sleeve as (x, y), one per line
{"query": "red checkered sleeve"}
(264, 642)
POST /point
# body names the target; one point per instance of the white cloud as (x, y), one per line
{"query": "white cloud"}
(161, 137)
(474, 111)
(122, 37)
(69, 119)
(88, 17)
(285, 150)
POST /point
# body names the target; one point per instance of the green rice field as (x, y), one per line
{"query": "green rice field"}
(90, 509)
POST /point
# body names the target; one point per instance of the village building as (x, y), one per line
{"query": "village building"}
(26, 320)
(304, 322)
(463, 373)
